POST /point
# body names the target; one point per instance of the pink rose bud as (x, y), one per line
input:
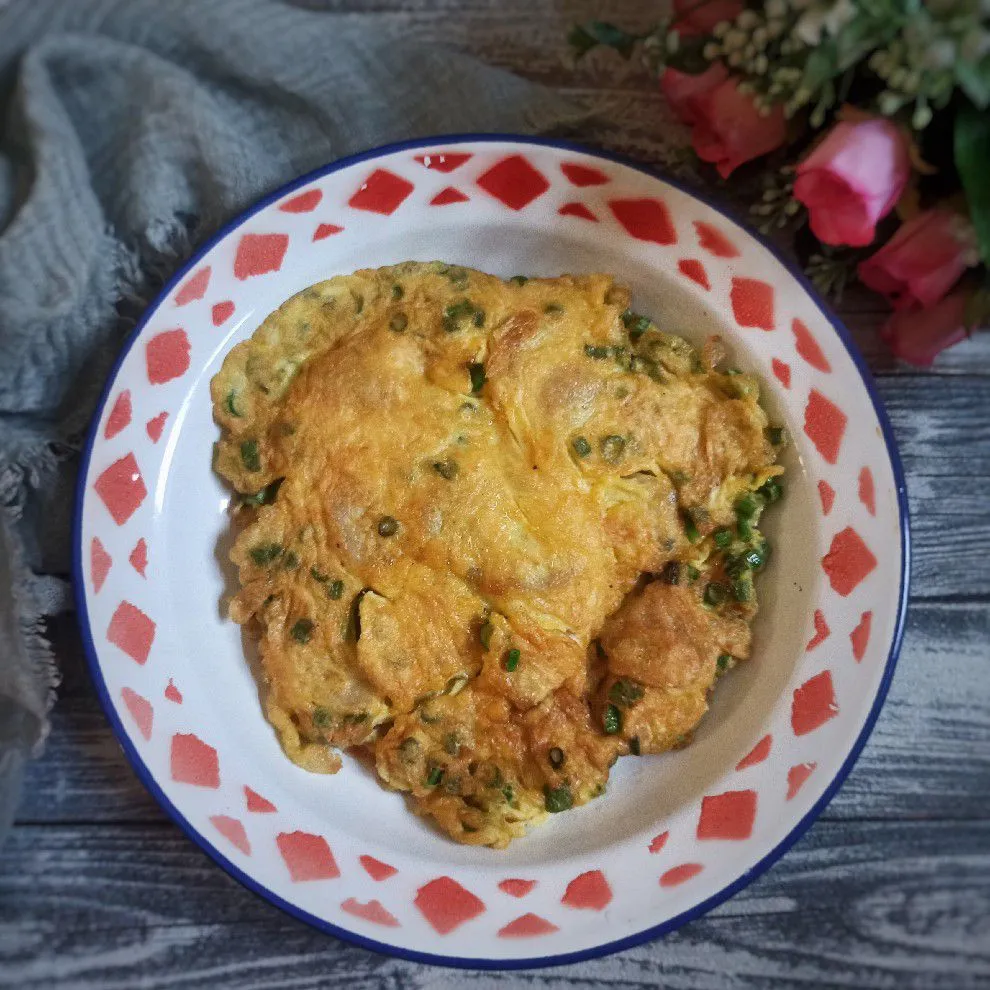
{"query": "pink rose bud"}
(685, 92)
(853, 179)
(692, 17)
(918, 335)
(729, 130)
(923, 260)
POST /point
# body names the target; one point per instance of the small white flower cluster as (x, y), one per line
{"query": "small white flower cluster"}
(920, 65)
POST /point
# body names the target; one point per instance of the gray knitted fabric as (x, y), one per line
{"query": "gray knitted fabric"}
(130, 130)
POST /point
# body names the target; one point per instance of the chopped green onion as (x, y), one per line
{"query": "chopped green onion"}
(322, 718)
(387, 526)
(556, 757)
(266, 553)
(612, 447)
(434, 777)
(264, 496)
(734, 566)
(636, 325)
(302, 630)
(690, 530)
(754, 558)
(318, 575)
(634, 746)
(749, 505)
(290, 561)
(723, 537)
(692, 572)
(557, 798)
(612, 720)
(508, 793)
(398, 323)
(744, 528)
(485, 634)
(581, 446)
(479, 318)
(336, 589)
(397, 291)
(777, 435)
(519, 279)
(231, 404)
(715, 593)
(724, 661)
(742, 587)
(599, 353)
(477, 373)
(250, 455)
(446, 469)
(771, 490)
(511, 659)
(456, 313)
(553, 308)
(625, 693)
(671, 573)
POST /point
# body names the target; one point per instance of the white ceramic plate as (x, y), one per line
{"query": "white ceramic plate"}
(675, 834)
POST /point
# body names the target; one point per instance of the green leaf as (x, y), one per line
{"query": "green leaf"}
(975, 80)
(584, 37)
(972, 152)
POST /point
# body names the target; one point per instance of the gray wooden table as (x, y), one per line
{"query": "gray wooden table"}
(891, 887)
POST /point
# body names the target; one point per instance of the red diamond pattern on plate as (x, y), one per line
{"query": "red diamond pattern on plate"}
(796, 777)
(155, 425)
(813, 704)
(303, 203)
(373, 911)
(259, 254)
(583, 175)
(808, 348)
(659, 841)
(326, 230)
(132, 631)
(680, 874)
(514, 182)
(860, 636)
(527, 926)
(167, 356)
(867, 491)
(376, 869)
(727, 816)
(194, 761)
(848, 561)
(221, 312)
(752, 303)
(578, 210)
(714, 241)
(516, 888)
(121, 488)
(757, 754)
(782, 371)
(99, 563)
(443, 161)
(447, 905)
(257, 803)
(645, 219)
(589, 891)
(825, 425)
(194, 288)
(233, 831)
(447, 196)
(307, 856)
(173, 693)
(695, 271)
(120, 415)
(140, 709)
(821, 631)
(139, 556)
(827, 494)
(382, 192)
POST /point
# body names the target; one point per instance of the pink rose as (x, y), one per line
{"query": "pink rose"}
(685, 92)
(853, 179)
(729, 130)
(918, 335)
(694, 17)
(923, 260)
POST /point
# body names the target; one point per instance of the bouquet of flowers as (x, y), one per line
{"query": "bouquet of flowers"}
(874, 116)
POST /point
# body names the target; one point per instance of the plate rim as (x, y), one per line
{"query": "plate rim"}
(147, 778)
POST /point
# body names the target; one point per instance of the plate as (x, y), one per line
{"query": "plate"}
(675, 834)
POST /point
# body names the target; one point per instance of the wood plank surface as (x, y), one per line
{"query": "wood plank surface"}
(860, 904)
(890, 889)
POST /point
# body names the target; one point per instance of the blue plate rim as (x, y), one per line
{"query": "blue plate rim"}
(147, 778)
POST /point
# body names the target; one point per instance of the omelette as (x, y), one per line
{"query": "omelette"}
(491, 534)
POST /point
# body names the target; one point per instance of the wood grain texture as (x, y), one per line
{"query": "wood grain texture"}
(853, 904)
(891, 889)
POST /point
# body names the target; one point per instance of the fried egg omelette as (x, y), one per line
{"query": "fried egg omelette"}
(492, 534)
